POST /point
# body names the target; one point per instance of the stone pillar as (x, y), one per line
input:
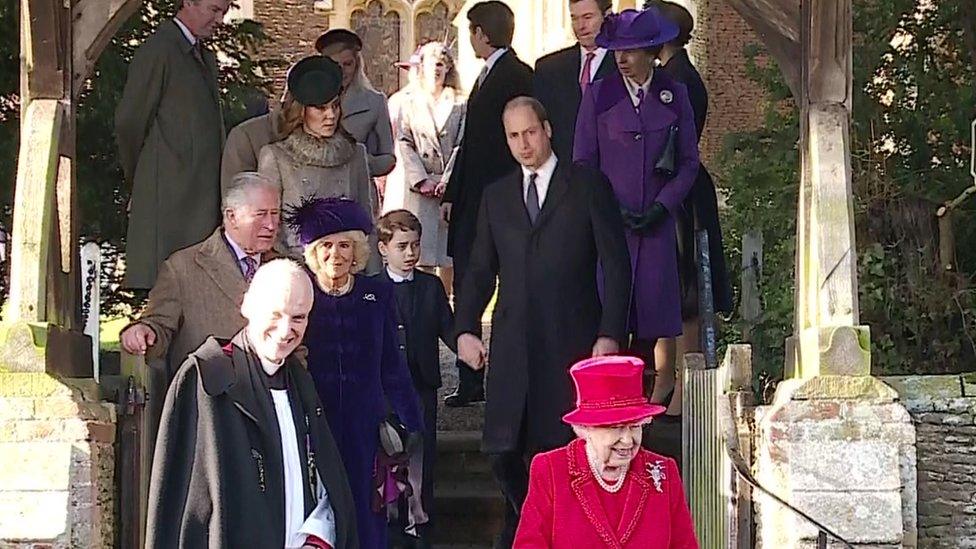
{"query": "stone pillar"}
(848, 461)
(836, 443)
(57, 464)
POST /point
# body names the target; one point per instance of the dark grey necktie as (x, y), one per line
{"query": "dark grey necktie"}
(532, 199)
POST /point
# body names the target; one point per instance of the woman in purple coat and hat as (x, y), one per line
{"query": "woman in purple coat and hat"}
(637, 126)
(354, 355)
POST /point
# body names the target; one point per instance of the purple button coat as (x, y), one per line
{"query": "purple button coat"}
(625, 145)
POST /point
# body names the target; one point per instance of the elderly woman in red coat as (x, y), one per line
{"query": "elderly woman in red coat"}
(603, 489)
(637, 126)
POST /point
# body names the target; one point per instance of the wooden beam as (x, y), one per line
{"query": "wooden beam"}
(40, 49)
(33, 212)
(777, 22)
(94, 23)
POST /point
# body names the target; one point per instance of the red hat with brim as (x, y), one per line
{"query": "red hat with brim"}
(635, 30)
(609, 391)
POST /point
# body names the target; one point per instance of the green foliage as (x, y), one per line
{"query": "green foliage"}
(102, 194)
(914, 98)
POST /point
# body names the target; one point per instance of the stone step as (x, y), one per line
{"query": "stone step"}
(469, 512)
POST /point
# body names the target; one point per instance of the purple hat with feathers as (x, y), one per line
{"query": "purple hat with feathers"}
(317, 217)
(634, 30)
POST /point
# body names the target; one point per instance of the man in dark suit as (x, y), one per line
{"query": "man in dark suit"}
(552, 234)
(561, 77)
(483, 156)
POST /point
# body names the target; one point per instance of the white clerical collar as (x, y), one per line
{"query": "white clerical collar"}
(239, 252)
(397, 278)
(493, 58)
(186, 31)
(598, 55)
(271, 368)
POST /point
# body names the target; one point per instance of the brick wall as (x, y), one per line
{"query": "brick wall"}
(943, 409)
(293, 26)
(735, 102)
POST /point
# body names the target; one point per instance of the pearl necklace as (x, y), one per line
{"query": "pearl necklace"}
(612, 488)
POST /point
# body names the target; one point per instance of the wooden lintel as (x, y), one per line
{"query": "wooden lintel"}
(94, 23)
(41, 48)
(777, 22)
(37, 168)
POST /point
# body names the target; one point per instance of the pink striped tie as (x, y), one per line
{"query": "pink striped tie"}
(587, 71)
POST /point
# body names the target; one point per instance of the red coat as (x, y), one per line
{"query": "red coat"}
(564, 509)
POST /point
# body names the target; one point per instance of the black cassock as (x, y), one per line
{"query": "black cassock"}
(218, 474)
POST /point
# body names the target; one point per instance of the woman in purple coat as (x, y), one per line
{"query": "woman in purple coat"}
(637, 126)
(353, 352)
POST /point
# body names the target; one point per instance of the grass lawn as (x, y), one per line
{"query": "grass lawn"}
(110, 328)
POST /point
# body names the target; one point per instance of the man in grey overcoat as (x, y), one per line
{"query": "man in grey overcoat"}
(170, 132)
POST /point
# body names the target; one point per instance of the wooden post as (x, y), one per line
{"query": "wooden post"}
(827, 338)
(39, 326)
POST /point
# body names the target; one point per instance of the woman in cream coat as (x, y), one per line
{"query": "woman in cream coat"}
(430, 130)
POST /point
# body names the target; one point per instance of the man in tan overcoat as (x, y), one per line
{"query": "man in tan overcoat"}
(200, 288)
(170, 132)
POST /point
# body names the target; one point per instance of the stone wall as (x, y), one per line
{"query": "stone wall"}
(735, 101)
(293, 26)
(944, 411)
(57, 465)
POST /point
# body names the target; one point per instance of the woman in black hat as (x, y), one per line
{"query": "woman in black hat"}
(316, 156)
(365, 113)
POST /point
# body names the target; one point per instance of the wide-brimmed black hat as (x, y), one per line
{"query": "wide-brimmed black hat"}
(315, 80)
(339, 36)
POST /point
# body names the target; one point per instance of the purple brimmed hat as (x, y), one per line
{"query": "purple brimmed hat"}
(634, 30)
(318, 217)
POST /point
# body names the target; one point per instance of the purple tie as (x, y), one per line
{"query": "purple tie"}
(250, 267)
(640, 97)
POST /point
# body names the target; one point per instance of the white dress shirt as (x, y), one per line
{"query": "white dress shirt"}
(321, 522)
(632, 88)
(489, 63)
(241, 254)
(397, 278)
(598, 55)
(542, 179)
(186, 31)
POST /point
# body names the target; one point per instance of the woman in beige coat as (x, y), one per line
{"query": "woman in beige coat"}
(431, 125)
(315, 157)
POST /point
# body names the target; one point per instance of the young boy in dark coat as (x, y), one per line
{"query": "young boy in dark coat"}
(424, 316)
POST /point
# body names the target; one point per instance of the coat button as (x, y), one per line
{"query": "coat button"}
(318, 411)
(399, 326)
(403, 348)
(637, 137)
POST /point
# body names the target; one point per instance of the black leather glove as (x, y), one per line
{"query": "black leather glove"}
(654, 215)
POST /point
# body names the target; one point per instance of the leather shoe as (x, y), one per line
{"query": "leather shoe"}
(460, 398)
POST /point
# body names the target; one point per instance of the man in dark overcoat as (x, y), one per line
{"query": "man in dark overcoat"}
(542, 230)
(483, 156)
(170, 132)
(245, 457)
(562, 76)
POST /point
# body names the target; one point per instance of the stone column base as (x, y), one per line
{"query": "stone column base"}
(57, 463)
(841, 449)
